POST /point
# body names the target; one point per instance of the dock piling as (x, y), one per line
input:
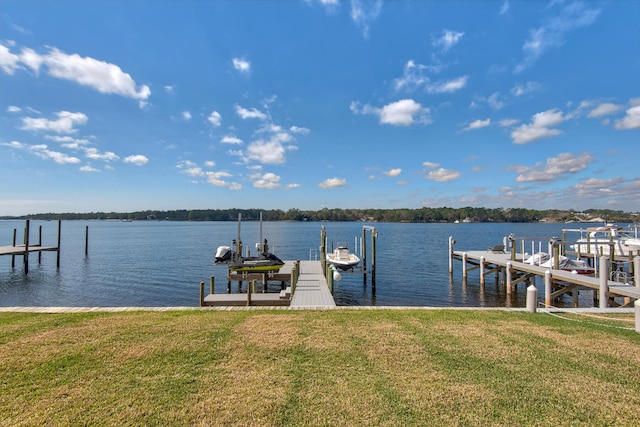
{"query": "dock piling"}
(532, 298)
(636, 271)
(482, 259)
(201, 294)
(637, 310)
(211, 285)
(508, 278)
(604, 282)
(547, 288)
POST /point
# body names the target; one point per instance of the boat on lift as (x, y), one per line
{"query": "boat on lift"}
(264, 263)
(602, 240)
(343, 259)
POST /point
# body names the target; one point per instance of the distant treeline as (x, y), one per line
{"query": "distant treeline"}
(444, 214)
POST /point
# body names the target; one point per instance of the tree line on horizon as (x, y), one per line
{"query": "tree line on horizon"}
(419, 215)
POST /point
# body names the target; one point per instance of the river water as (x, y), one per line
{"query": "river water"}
(161, 263)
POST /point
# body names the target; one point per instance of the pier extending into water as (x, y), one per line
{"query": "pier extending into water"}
(27, 247)
(307, 288)
(510, 270)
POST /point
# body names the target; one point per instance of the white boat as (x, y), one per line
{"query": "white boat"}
(601, 241)
(343, 259)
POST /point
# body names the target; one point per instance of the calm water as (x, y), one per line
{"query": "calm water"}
(160, 263)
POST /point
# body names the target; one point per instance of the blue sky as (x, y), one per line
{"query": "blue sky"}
(133, 105)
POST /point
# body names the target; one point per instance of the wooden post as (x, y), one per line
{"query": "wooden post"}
(40, 244)
(211, 285)
(13, 257)
(364, 251)
(330, 278)
(637, 310)
(508, 279)
(636, 270)
(604, 282)
(374, 237)
(26, 247)
(556, 256)
(201, 294)
(58, 247)
(464, 265)
(451, 242)
(86, 241)
(293, 279)
(249, 286)
(482, 270)
(547, 288)
(264, 282)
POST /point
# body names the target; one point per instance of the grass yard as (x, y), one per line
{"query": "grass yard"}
(312, 368)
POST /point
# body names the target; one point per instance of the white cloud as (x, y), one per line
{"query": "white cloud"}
(553, 32)
(363, 13)
(521, 89)
(186, 115)
(447, 40)
(392, 172)
(443, 175)
(215, 118)
(504, 9)
(268, 181)
(9, 62)
(209, 163)
(604, 109)
(230, 139)
(138, 160)
(299, 130)
(554, 168)
(448, 86)
(242, 65)
(215, 179)
(63, 124)
(293, 185)
(13, 109)
(477, 124)
(540, 127)
(249, 114)
(631, 120)
(42, 151)
(94, 154)
(89, 168)
(333, 183)
(99, 75)
(507, 122)
(430, 165)
(268, 152)
(400, 113)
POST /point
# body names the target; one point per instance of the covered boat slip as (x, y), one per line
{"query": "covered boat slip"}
(307, 288)
(557, 282)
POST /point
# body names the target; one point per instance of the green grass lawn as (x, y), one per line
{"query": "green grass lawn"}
(308, 368)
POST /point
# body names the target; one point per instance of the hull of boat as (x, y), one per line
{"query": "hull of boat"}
(262, 264)
(344, 264)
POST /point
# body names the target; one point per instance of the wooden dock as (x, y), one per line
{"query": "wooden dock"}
(557, 282)
(26, 248)
(307, 288)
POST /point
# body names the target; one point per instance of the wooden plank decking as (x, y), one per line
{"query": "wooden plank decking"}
(501, 260)
(19, 249)
(311, 290)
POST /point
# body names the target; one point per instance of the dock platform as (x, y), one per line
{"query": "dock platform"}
(563, 282)
(310, 290)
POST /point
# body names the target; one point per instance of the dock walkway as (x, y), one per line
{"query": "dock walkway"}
(311, 289)
(495, 262)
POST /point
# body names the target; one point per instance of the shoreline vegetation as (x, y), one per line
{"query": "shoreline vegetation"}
(289, 368)
(421, 215)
